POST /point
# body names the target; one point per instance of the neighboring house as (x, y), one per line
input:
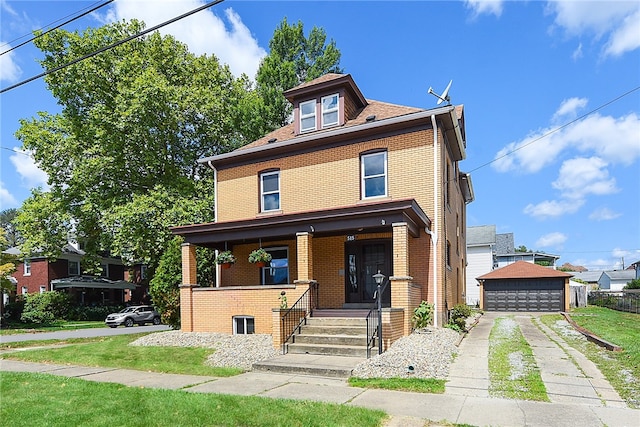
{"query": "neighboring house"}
(481, 244)
(39, 274)
(590, 278)
(351, 188)
(636, 268)
(487, 250)
(524, 286)
(615, 280)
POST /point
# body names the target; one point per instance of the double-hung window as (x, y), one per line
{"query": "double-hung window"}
(74, 268)
(374, 174)
(270, 191)
(308, 116)
(27, 267)
(330, 110)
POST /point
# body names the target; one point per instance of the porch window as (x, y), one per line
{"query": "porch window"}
(243, 325)
(277, 272)
(270, 191)
(308, 116)
(330, 110)
(27, 267)
(374, 174)
(74, 268)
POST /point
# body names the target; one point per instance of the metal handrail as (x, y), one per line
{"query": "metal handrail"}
(297, 315)
(378, 328)
(372, 329)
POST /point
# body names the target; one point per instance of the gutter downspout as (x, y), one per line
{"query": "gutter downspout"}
(435, 223)
(215, 215)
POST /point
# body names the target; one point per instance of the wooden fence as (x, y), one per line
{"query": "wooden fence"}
(628, 301)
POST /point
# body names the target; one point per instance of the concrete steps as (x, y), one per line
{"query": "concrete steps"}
(334, 342)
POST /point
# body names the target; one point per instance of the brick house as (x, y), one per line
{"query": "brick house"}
(39, 274)
(350, 188)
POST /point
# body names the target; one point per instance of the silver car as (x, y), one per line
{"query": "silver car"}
(139, 314)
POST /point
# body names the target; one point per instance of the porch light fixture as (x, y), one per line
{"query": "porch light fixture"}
(379, 278)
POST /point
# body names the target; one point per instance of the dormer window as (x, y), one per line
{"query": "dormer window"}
(330, 110)
(308, 116)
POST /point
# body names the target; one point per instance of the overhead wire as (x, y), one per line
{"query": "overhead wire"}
(54, 28)
(111, 46)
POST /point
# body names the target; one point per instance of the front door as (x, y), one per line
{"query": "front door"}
(364, 259)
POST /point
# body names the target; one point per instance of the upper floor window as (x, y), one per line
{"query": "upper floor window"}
(277, 272)
(27, 267)
(74, 268)
(374, 174)
(330, 110)
(270, 191)
(307, 116)
(104, 270)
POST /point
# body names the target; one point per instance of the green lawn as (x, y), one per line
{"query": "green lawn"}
(30, 399)
(418, 385)
(622, 369)
(512, 367)
(116, 353)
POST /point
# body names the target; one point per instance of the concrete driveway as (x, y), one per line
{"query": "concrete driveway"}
(569, 377)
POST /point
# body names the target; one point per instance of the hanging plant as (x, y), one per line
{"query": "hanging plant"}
(260, 257)
(225, 259)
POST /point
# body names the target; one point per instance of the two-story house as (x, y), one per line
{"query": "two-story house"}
(350, 188)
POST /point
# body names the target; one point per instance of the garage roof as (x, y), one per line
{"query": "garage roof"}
(523, 270)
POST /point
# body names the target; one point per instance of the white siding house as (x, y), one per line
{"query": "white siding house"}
(481, 241)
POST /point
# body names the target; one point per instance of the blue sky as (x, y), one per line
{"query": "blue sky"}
(551, 93)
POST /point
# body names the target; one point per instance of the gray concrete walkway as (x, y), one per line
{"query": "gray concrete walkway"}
(466, 400)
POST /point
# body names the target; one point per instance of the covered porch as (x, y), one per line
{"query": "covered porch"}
(337, 250)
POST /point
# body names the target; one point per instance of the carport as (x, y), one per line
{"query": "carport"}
(523, 286)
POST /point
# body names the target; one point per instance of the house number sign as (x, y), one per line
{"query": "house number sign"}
(351, 238)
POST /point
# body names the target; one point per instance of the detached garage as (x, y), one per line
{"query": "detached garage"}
(523, 286)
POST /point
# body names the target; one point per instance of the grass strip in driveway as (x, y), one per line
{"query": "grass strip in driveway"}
(58, 401)
(512, 368)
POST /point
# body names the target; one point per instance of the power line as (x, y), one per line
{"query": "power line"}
(111, 46)
(552, 131)
(54, 28)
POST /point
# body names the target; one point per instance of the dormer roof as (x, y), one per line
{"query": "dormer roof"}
(328, 82)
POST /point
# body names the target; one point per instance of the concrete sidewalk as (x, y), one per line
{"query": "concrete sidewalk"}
(406, 409)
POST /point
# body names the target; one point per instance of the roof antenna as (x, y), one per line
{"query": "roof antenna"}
(445, 95)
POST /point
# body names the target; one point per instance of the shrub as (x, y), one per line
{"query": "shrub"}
(46, 308)
(458, 316)
(634, 284)
(93, 313)
(422, 315)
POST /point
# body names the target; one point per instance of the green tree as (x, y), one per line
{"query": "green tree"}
(10, 233)
(7, 268)
(293, 59)
(122, 154)
(634, 284)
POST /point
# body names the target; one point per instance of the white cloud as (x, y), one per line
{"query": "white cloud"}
(10, 71)
(577, 53)
(604, 214)
(485, 6)
(32, 176)
(581, 176)
(615, 21)
(204, 32)
(6, 198)
(555, 239)
(569, 108)
(553, 208)
(590, 136)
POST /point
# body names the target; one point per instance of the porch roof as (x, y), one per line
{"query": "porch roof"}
(91, 282)
(370, 217)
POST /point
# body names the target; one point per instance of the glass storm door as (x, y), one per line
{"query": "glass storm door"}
(363, 260)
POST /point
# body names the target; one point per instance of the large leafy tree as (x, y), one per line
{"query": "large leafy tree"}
(7, 222)
(292, 60)
(121, 155)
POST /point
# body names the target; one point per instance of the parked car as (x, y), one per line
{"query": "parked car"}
(139, 314)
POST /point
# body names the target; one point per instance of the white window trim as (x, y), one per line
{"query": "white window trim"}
(306, 116)
(266, 193)
(385, 174)
(25, 290)
(43, 289)
(330, 110)
(244, 318)
(26, 267)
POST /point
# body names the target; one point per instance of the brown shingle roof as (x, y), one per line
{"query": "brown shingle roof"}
(523, 270)
(381, 111)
